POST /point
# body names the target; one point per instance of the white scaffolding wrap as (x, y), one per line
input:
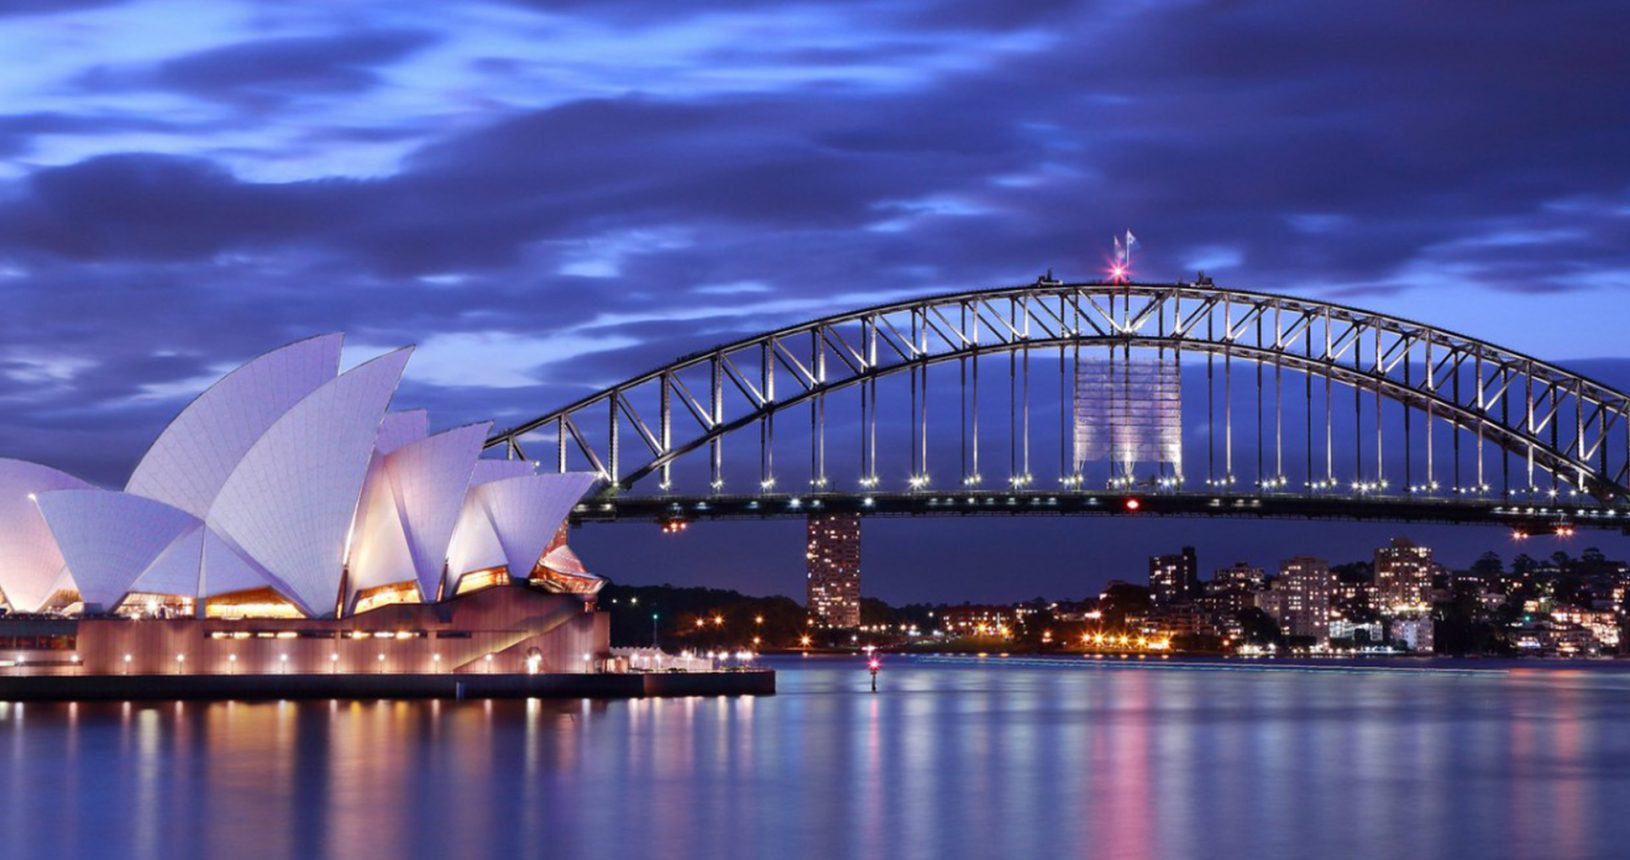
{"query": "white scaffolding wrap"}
(1129, 411)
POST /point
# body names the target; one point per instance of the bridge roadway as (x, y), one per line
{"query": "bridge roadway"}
(1526, 517)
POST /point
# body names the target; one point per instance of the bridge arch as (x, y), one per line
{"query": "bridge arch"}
(1563, 434)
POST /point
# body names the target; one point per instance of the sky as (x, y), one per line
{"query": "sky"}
(548, 197)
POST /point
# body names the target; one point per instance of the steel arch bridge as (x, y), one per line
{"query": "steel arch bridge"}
(1309, 409)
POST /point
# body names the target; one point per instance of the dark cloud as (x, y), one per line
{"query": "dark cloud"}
(20, 133)
(267, 72)
(20, 8)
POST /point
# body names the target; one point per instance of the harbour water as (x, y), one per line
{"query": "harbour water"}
(951, 758)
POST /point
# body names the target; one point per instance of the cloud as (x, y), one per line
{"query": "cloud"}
(265, 72)
(20, 8)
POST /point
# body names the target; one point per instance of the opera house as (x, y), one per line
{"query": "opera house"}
(286, 521)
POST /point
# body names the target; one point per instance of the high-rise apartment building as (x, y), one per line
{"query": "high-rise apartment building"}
(1241, 575)
(1403, 577)
(833, 563)
(1300, 597)
(1174, 578)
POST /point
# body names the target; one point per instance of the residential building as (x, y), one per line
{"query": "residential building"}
(1403, 577)
(1300, 598)
(832, 558)
(1174, 578)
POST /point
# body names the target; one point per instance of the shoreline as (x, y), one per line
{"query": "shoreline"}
(65, 688)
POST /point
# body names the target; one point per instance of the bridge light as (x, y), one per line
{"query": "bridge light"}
(1132, 504)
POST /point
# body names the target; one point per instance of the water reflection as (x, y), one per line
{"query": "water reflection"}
(947, 760)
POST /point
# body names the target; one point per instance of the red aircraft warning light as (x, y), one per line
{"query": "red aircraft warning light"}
(1132, 504)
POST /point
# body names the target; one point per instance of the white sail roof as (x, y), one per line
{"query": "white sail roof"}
(400, 428)
(30, 561)
(379, 548)
(190, 461)
(175, 569)
(525, 512)
(224, 569)
(474, 545)
(291, 501)
(487, 471)
(108, 538)
(429, 479)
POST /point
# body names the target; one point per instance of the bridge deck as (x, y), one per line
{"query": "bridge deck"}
(1528, 517)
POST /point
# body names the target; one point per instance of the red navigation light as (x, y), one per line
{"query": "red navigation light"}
(875, 664)
(1132, 504)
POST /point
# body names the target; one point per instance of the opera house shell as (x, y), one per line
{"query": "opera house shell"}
(289, 490)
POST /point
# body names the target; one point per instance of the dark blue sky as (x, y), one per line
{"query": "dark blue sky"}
(547, 197)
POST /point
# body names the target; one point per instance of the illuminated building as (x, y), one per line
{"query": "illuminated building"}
(979, 620)
(1403, 576)
(1300, 598)
(1413, 632)
(1241, 576)
(1365, 632)
(1174, 578)
(833, 563)
(288, 492)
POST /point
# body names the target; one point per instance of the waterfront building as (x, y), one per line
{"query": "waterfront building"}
(1360, 632)
(1177, 620)
(971, 619)
(1403, 577)
(1603, 625)
(1555, 639)
(1174, 578)
(833, 569)
(288, 492)
(1413, 632)
(1300, 598)
(1232, 590)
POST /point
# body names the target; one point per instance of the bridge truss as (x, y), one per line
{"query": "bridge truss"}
(1289, 407)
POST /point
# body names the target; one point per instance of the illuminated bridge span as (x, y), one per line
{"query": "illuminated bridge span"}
(1101, 397)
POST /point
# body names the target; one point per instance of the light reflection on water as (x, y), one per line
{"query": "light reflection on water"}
(950, 759)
